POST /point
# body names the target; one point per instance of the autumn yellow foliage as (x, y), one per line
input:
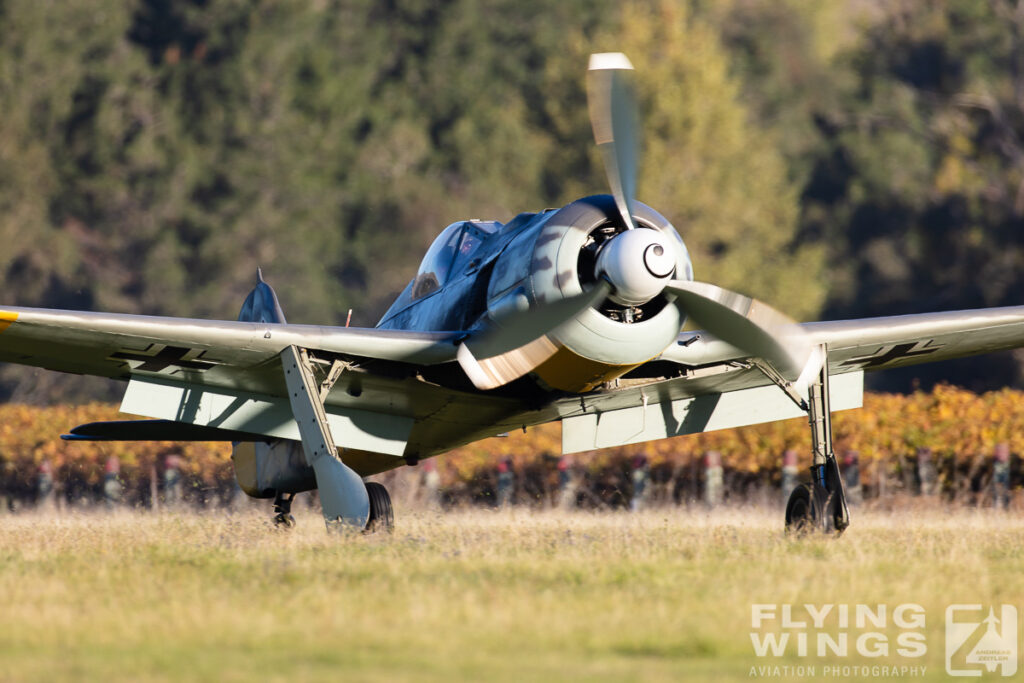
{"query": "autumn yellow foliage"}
(953, 422)
(30, 435)
(949, 420)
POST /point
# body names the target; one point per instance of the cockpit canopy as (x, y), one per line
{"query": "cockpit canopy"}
(451, 253)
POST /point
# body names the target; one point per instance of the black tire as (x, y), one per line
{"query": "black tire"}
(382, 517)
(811, 508)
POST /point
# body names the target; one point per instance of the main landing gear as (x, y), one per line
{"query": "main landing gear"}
(819, 505)
(344, 496)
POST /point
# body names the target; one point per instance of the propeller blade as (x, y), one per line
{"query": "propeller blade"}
(519, 341)
(493, 372)
(750, 325)
(612, 103)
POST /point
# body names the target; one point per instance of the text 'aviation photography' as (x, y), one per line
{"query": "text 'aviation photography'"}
(715, 372)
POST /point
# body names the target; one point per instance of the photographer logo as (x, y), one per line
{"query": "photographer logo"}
(977, 643)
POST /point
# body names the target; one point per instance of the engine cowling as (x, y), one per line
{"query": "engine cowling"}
(564, 255)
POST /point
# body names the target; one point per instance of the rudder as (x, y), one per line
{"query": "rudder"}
(261, 306)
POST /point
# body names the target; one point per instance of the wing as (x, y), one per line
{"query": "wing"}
(399, 393)
(201, 352)
(703, 384)
(228, 376)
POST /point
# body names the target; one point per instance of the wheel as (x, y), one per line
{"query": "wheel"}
(283, 520)
(382, 517)
(800, 513)
(811, 508)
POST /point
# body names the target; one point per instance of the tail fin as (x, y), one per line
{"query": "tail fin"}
(261, 306)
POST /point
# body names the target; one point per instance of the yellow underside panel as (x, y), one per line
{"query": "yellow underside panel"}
(569, 371)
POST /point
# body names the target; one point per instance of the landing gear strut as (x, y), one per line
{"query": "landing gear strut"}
(283, 509)
(343, 495)
(821, 504)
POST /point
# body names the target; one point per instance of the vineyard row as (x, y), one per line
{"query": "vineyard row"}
(956, 429)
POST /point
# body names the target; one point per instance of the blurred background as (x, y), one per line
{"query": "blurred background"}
(840, 159)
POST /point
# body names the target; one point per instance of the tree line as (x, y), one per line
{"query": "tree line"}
(835, 159)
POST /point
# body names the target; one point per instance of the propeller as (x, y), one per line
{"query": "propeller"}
(632, 268)
(749, 324)
(518, 341)
(611, 100)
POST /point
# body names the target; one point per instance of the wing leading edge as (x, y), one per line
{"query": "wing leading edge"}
(879, 343)
(199, 352)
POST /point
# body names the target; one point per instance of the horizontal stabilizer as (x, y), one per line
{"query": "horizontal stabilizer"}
(155, 430)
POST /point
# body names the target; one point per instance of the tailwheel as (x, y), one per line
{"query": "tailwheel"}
(811, 508)
(283, 507)
(283, 521)
(382, 517)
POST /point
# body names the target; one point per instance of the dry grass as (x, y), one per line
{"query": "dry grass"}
(477, 595)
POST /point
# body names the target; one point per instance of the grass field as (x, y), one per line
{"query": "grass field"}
(511, 595)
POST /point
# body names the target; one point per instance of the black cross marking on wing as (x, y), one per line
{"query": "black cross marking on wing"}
(895, 352)
(165, 357)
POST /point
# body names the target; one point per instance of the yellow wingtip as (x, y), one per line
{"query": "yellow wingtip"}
(6, 318)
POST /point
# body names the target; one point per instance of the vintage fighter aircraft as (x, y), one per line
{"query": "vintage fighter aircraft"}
(574, 314)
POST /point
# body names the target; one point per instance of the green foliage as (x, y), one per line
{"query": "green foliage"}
(904, 121)
(152, 154)
(712, 169)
